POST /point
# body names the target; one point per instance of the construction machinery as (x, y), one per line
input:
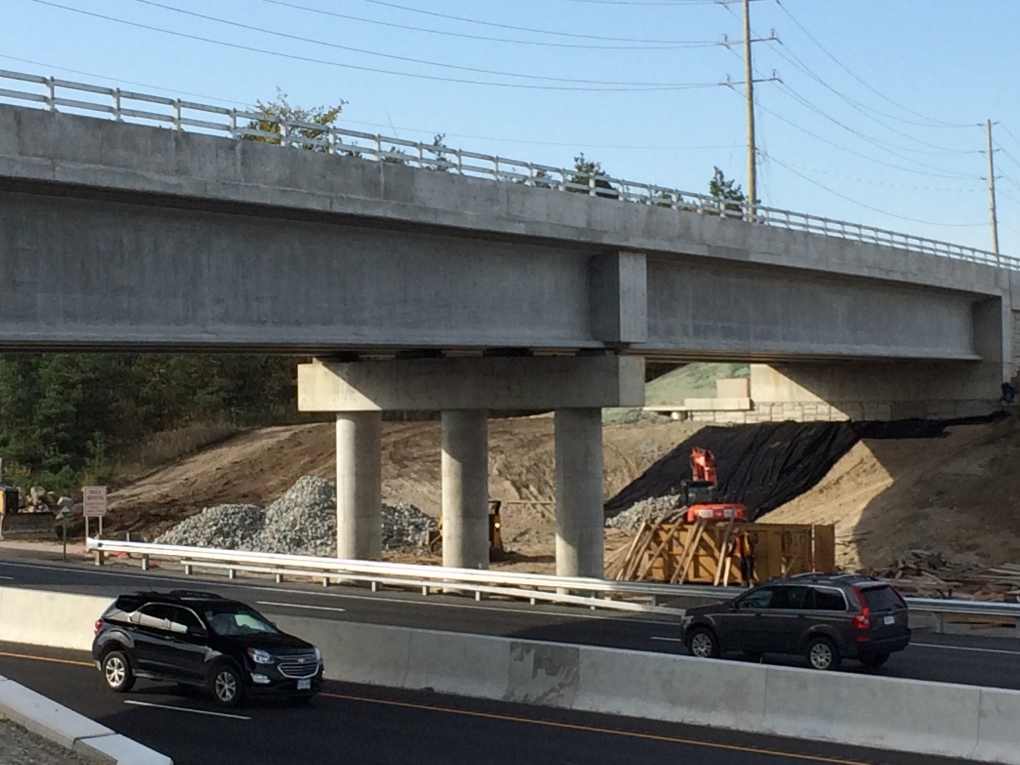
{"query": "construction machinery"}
(17, 524)
(699, 493)
(497, 552)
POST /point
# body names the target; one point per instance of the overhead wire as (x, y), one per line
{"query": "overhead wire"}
(875, 209)
(936, 122)
(376, 70)
(403, 59)
(680, 44)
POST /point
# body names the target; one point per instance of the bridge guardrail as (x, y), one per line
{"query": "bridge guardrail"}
(598, 593)
(125, 105)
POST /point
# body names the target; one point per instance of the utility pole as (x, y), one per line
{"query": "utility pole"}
(752, 151)
(991, 188)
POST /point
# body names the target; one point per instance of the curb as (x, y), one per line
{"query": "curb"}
(65, 727)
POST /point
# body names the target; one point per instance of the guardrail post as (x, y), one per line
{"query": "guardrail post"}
(177, 115)
(51, 94)
(99, 557)
(117, 105)
(231, 573)
(938, 622)
(187, 569)
(279, 578)
(145, 563)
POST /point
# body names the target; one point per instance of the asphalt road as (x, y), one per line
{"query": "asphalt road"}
(961, 659)
(355, 725)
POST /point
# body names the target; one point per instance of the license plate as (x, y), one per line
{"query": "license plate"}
(304, 685)
(890, 620)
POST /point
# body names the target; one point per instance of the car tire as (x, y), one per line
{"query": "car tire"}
(703, 643)
(874, 659)
(822, 654)
(226, 686)
(117, 672)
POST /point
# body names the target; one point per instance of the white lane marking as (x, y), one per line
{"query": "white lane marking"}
(667, 639)
(384, 598)
(966, 648)
(184, 709)
(7, 577)
(299, 605)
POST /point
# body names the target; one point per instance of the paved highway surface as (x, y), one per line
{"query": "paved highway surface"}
(356, 725)
(964, 659)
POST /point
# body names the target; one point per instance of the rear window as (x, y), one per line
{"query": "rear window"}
(881, 599)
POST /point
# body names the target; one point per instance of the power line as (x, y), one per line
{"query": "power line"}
(497, 25)
(484, 38)
(404, 59)
(938, 122)
(875, 209)
(956, 190)
(324, 62)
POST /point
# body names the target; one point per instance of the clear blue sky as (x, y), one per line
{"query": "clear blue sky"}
(876, 119)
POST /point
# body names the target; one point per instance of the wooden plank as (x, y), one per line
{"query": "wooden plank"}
(692, 543)
(723, 557)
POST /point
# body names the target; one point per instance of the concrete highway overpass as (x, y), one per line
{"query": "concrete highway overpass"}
(117, 236)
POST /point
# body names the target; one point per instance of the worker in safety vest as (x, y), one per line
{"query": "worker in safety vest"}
(744, 548)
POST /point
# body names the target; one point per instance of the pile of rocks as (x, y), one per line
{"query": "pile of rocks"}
(301, 522)
(234, 527)
(652, 510)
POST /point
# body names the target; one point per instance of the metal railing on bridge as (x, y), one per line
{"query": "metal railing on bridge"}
(647, 597)
(130, 106)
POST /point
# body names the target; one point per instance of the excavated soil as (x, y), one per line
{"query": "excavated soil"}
(958, 493)
(258, 467)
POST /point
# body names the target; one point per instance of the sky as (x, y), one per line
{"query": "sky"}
(876, 116)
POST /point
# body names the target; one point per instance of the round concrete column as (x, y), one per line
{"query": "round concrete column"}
(466, 488)
(580, 545)
(359, 485)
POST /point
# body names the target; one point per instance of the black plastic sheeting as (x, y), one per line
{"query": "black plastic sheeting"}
(765, 466)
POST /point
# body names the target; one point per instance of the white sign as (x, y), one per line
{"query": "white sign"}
(94, 501)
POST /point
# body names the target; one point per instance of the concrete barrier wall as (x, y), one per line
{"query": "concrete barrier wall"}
(52, 619)
(860, 710)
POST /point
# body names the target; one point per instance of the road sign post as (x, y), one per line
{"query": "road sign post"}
(94, 505)
(64, 513)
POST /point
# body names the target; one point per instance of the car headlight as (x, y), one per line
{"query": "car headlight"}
(318, 655)
(259, 656)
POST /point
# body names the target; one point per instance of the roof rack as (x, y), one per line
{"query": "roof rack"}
(194, 595)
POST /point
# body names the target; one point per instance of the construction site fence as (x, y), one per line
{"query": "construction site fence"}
(130, 106)
(648, 597)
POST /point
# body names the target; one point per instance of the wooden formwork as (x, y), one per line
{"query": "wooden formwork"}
(702, 552)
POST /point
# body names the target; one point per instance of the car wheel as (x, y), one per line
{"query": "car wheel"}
(227, 688)
(874, 659)
(703, 643)
(117, 672)
(823, 654)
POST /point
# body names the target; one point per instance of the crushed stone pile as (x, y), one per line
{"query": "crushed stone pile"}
(653, 510)
(231, 526)
(301, 522)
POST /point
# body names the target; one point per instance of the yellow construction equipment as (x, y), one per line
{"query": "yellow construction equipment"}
(15, 524)
(496, 550)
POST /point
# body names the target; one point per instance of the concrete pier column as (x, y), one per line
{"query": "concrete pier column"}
(580, 546)
(466, 488)
(359, 485)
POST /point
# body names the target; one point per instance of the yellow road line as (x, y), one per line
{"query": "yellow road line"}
(596, 729)
(52, 659)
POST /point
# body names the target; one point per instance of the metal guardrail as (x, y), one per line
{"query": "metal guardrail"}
(598, 593)
(129, 106)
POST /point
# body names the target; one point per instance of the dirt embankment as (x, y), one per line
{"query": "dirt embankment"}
(959, 493)
(258, 467)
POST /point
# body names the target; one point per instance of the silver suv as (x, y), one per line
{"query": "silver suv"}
(824, 618)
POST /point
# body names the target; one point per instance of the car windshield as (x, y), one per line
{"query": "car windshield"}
(238, 620)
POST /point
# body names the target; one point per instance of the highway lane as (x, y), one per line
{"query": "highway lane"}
(353, 724)
(961, 659)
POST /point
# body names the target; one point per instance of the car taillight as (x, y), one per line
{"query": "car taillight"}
(97, 626)
(862, 621)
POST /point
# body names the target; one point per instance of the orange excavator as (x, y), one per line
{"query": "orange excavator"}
(699, 493)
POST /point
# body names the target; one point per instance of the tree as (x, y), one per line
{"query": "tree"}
(584, 171)
(726, 193)
(281, 110)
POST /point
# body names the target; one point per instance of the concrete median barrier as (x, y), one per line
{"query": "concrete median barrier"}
(845, 708)
(52, 619)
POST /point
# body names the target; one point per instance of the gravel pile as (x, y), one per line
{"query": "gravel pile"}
(234, 527)
(653, 509)
(301, 522)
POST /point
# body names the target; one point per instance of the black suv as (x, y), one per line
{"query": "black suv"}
(823, 618)
(202, 639)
